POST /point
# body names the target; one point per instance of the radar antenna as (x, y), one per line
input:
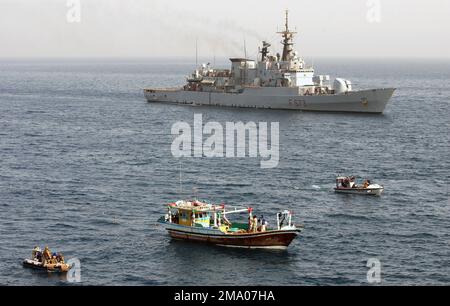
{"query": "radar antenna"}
(265, 51)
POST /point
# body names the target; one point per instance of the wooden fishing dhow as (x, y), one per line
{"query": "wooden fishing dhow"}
(208, 223)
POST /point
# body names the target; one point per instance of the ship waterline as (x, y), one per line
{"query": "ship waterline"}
(276, 240)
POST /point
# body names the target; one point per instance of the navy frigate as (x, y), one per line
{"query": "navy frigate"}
(282, 81)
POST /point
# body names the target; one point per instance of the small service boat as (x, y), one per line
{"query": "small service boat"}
(348, 185)
(208, 223)
(45, 260)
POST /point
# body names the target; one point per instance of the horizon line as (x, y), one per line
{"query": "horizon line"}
(394, 57)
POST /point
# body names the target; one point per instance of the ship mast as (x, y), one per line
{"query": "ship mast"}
(287, 42)
(196, 53)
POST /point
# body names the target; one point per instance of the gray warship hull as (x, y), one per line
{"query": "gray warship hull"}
(362, 101)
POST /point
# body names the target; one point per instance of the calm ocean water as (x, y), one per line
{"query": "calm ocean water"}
(86, 167)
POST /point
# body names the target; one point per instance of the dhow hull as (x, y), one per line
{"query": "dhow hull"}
(277, 240)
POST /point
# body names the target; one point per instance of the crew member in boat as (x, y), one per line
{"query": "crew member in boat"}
(176, 218)
(53, 260)
(36, 254)
(263, 225)
(46, 255)
(60, 258)
(366, 184)
(255, 224)
(345, 183)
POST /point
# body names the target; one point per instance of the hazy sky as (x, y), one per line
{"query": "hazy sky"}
(153, 28)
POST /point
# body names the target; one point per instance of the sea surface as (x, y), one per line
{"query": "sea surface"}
(86, 168)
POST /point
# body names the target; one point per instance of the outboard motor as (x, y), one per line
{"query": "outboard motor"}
(341, 86)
